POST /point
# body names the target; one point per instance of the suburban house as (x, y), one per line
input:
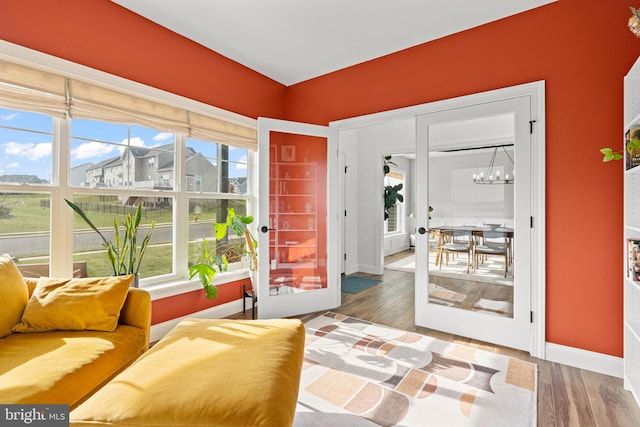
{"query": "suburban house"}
(580, 49)
(147, 168)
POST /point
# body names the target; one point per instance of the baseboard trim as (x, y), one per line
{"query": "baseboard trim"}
(159, 330)
(584, 359)
(369, 269)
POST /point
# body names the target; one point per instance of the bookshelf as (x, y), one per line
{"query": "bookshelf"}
(293, 219)
(632, 234)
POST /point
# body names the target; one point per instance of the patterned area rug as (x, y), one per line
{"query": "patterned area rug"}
(359, 374)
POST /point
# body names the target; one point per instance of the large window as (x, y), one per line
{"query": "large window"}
(110, 161)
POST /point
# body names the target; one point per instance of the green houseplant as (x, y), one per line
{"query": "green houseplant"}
(213, 262)
(391, 192)
(124, 253)
(632, 146)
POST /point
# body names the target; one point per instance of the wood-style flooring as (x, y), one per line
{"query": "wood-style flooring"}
(567, 396)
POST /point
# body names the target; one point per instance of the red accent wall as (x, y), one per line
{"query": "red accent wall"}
(582, 50)
(191, 302)
(103, 35)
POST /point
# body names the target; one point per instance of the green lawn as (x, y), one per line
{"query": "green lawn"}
(30, 213)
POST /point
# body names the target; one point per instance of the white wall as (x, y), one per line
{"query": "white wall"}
(374, 142)
(466, 202)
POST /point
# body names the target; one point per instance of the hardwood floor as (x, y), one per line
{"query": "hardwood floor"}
(453, 288)
(567, 396)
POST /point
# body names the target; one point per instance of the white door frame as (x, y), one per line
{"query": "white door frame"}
(536, 90)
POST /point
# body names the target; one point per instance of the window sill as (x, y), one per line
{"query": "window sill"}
(181, 286)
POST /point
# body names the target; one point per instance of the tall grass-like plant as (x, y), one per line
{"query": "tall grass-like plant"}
(124, 253)
(213, 262)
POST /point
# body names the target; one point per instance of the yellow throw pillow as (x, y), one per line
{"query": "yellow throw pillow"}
(13, 294)
(91, 303)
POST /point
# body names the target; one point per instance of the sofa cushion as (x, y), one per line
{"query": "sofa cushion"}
(13, 294)
(218, 372)
(64, 366)
(91, 303)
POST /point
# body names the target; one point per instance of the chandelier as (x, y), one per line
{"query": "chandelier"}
(493, 177)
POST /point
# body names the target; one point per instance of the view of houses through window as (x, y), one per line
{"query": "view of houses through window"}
(112, 168)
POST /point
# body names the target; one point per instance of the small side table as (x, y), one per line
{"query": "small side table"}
(254, 300)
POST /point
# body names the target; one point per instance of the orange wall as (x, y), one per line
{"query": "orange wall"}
(105, 36)
(190, 302)
(582, 49)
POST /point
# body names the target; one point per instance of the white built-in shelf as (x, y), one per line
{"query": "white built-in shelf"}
(631, 230)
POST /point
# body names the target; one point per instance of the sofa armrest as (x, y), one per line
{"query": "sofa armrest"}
(137, 310)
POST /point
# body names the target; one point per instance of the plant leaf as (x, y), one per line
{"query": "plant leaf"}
(86, 219)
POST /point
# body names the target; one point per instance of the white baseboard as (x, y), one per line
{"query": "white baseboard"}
(350, 268)
(159, 330)
(584, 359)
(578, 358)
(369, 269)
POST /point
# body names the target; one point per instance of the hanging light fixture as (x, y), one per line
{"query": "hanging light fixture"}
(492, 177)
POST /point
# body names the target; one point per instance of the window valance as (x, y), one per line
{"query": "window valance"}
(25, 88)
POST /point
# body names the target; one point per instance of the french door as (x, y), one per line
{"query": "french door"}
(436, 305)
(298, 221)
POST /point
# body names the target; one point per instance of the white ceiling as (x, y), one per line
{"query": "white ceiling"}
(295, 40)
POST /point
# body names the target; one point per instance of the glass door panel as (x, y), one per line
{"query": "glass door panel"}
(471, 253)
(297, 213)
(477, 282)
(298, 242)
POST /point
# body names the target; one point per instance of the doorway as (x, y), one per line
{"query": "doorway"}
(368, 139)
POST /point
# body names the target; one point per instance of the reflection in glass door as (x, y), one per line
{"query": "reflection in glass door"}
(298, 243)
(471, 255)
(297, 214)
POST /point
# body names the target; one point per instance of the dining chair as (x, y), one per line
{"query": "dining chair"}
(456, 242)
(492, 242)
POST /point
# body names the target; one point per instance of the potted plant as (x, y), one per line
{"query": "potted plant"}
(391, 192)
(124, 253)
(213, 262)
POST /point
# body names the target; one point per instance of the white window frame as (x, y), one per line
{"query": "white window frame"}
(61, 215)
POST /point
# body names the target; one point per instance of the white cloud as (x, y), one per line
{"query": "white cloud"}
(136, 141)
(31, 151)
(242, 166)
(9, 117)
(89, 150)
(10, 168)
(163, 136)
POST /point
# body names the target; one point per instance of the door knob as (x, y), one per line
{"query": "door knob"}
(264, 229)
(422, 230)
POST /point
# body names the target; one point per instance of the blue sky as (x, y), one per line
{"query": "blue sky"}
(29, 153)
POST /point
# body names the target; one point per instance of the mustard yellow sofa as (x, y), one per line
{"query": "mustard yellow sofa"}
(62, 339)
